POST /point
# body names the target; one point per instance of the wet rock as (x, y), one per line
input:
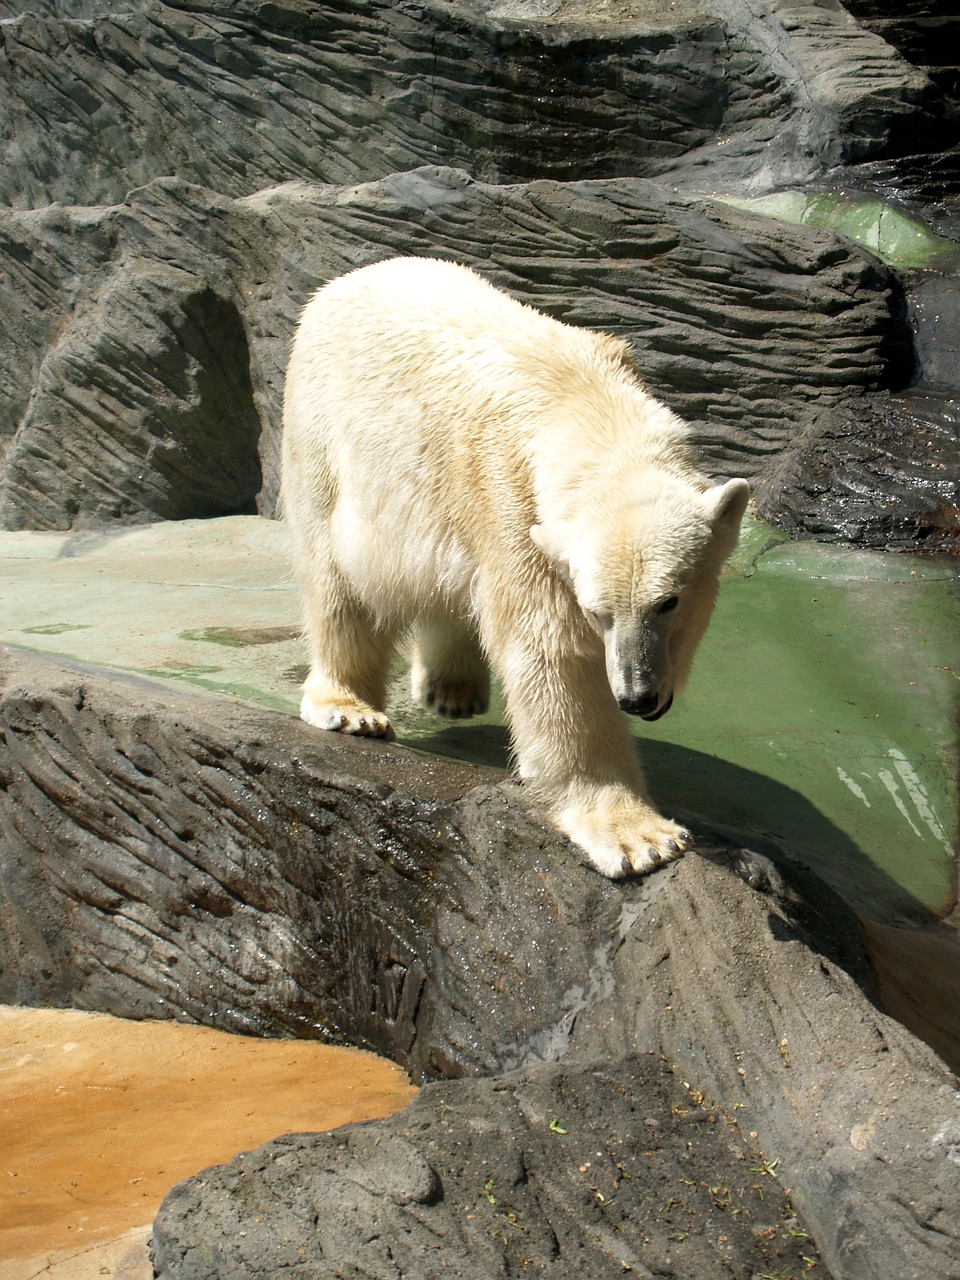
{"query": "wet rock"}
(137, 389)
(883, 474)
(172, 856)
(200, 893)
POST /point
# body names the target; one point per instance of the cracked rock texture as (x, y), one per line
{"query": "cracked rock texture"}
(178, 856)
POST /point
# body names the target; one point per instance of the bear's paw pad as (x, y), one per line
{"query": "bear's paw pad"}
(342, 716)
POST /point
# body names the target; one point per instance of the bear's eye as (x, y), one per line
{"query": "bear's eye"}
(600, 621)
(668, 605)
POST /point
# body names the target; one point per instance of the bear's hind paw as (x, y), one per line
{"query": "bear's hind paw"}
(453, 700)
(346, 717)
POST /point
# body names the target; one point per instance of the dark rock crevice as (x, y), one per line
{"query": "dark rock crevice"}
(144, 407)
(825, 485)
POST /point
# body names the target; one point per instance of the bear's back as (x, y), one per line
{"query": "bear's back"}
(427, 321)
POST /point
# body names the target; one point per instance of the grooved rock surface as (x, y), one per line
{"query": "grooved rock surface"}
(153, 258)
(241, 96)
(141, 389)
(175, 856)
(199, 892)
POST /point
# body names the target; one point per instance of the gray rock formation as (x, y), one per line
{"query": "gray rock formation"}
(237, 97)
(556, 1171)
(882, 475)
(170, 856)
(155, 256)
(152, 388)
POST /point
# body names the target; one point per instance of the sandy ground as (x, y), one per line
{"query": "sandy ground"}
(99, 1117)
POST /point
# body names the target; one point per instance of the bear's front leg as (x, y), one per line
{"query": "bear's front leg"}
(574, 748)
(619, 830)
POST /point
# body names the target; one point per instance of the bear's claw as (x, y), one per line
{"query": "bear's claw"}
(342, 717)
(629, 838)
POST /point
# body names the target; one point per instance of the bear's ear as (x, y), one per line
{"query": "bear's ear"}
(726, 504)
(551, 544)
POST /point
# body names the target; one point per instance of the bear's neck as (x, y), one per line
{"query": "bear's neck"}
(583, 452)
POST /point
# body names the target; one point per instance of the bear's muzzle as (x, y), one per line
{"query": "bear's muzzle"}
(646, 705)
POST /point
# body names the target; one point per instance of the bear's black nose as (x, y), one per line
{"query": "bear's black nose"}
(643, 704)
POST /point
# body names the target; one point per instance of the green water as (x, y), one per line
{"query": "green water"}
(820, 716)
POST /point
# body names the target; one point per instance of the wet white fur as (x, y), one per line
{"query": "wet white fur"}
(461, 465)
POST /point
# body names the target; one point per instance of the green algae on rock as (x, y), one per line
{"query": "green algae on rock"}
(887, 232)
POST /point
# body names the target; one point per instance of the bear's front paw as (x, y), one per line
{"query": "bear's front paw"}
(625, 838)
(343, 716)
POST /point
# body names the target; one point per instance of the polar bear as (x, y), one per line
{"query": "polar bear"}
(459, 465)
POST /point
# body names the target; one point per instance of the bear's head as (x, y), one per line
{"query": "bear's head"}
(645, 574)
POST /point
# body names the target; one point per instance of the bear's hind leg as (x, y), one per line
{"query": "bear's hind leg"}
(346, 687)
(449, 673)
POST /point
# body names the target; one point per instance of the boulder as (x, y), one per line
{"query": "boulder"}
(884, 473)
(582, 1169)
(185, 857)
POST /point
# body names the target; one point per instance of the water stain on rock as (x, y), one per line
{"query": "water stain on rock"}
(181, 671)
(241, 637)
(54, 628)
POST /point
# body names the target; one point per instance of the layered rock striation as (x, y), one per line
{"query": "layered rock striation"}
(177, 178)
(101, 98)
(159, 395)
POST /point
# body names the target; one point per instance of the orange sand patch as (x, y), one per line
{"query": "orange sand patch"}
(99, 1117)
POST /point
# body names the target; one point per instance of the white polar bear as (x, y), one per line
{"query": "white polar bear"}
(458, 464)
